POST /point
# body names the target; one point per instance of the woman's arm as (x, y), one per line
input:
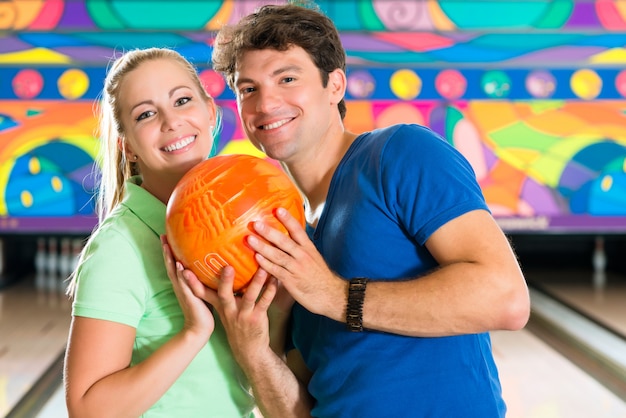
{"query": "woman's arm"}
(99, 381)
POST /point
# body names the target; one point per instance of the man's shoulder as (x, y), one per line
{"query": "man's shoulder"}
(404, 138)
(403, 128)
(402, 131)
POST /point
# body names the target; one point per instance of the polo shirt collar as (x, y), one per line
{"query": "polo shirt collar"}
(145, 205)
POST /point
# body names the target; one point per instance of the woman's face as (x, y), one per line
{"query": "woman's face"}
(167, 122)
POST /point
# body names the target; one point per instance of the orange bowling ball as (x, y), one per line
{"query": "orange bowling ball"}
(211, 210)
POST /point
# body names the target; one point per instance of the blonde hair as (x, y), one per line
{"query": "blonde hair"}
(115, 168)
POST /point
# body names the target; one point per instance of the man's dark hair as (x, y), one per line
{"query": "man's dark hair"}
(280, 27)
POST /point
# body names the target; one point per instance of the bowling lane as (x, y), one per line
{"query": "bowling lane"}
(575, 287)
(33, 332)
(538, 382)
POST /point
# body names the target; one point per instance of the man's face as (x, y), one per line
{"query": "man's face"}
(284, 109)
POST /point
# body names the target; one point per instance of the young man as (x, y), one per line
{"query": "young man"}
(405, 270)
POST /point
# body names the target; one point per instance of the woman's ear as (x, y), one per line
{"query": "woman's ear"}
(212, 109)
(128, 153)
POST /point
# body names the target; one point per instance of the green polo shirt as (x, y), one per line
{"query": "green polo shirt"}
(123, 279)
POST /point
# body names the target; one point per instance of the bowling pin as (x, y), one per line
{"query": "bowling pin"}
(77, 247)
(40, 264)
(599, 264)
(65, 264)
(52, 265)
(2, 260)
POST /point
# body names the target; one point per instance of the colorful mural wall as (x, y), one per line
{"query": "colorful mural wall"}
(532, 92)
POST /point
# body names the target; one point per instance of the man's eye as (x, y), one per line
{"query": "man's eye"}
(288, 79)
(246, 90)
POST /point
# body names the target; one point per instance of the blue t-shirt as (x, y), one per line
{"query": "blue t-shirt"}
(392, 190)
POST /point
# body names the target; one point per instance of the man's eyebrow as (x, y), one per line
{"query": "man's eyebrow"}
(278, 71)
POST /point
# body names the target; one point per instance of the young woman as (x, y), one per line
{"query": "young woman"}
(141, 344)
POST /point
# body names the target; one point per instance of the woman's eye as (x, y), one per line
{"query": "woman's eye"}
(144, 115)
(182, 101)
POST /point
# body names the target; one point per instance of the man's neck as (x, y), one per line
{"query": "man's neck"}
(313, 176)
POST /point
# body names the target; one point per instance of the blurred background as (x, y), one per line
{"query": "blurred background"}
(532, 92)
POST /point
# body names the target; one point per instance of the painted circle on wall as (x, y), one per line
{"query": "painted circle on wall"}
(620, 83)
(213, 82)
(27, 83)
(586, 84)
(450, 84)
(73, 84)
(405, 84)
(361, 84)
(496, 84)
(540, 84)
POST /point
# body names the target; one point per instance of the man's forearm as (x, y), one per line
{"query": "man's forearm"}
(277, 390)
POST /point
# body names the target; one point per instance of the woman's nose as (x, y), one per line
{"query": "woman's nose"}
(169, 120)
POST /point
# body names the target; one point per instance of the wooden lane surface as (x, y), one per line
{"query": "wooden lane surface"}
(33, 333)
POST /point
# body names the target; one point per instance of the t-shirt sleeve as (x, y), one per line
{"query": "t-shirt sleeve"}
(109, 284)
(427, 181)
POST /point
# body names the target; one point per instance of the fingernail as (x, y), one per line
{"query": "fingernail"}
(179, 266)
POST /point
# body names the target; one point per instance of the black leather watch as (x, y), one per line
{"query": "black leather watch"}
(354, 310)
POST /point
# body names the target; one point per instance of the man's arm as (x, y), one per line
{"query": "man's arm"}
(477, 287)
(277, 389)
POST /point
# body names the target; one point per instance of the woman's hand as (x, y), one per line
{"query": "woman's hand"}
(198, 316)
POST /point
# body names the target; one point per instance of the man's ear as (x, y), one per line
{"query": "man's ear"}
(337, 84)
